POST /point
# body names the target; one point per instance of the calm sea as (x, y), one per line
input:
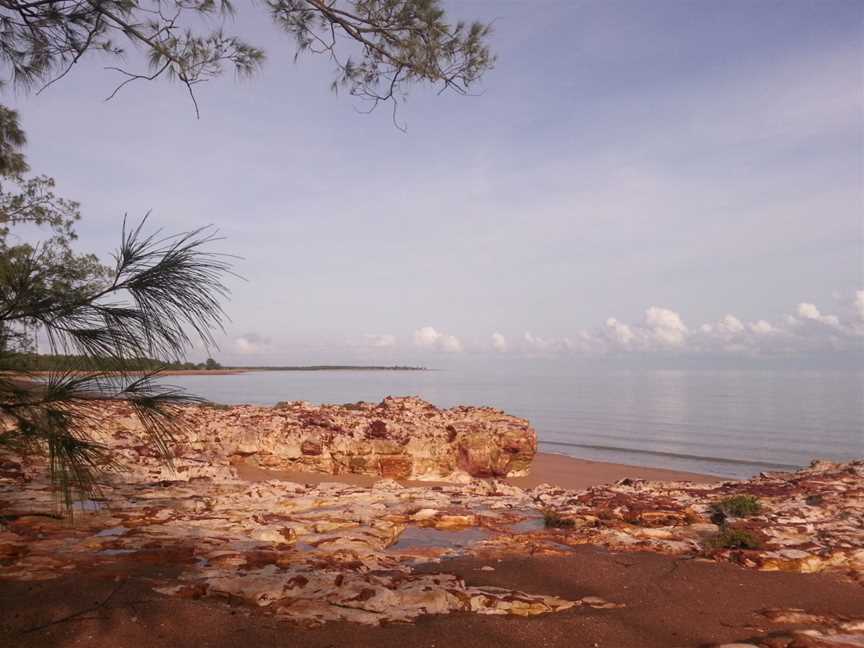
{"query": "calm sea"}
(729, 423)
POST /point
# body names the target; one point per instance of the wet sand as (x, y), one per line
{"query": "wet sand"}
(559, 470)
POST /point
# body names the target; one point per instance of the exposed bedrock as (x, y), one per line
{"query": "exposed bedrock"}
(401, 438)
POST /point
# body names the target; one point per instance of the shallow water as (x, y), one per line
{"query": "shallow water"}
(427, 537)
(728, 423)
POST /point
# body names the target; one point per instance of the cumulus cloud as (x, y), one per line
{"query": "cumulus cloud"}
(761, 328)
(619, 333)
(810, 312)
(499, 342)
(807, 329)
(536, 343)
(251, 343)
(665, 326)
(381, 341)
(430, 338)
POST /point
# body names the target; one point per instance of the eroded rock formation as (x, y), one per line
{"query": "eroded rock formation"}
(398, 438)
(338, 552)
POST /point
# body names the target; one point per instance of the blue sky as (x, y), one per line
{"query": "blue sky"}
(656, 166)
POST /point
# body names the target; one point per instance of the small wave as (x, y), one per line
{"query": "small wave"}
(675, 455)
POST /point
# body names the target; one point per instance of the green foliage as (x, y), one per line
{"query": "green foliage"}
(160, 293)
(732, 538)
(12, 140)
(553, 520)
(36, 362)
(738, 506)
(377, 46)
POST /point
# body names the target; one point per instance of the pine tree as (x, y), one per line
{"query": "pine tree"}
(378, 47)
(160, 294)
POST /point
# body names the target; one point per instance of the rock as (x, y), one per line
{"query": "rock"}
(424, 514)
(310, 447)
(314, 553)
(399, 438)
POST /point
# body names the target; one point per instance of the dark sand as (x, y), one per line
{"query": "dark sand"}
(669, 603)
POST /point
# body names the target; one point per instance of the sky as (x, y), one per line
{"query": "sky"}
(641, 179)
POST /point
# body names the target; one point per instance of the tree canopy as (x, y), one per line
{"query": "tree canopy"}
(378, 46)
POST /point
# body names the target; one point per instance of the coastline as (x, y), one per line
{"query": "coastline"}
(574, 473)
(558, 470)
(169, 372)
(230, 371)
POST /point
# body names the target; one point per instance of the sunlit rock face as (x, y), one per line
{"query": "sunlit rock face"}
(398, 438)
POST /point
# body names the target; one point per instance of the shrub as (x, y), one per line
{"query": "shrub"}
(738, 506)
(731, 538)
(554, 520)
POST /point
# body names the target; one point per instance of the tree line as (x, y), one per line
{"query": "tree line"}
(37, 362)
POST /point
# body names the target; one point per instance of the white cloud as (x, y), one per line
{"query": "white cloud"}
(383, 341)
(431, 338)
(810, 312)
(661, 329)
(619, 332)
(731, 325)
(761, 327)
(536, 343)
(450, 343)
(499, 342)
(251, 343)
(665, 326)
(426, 336)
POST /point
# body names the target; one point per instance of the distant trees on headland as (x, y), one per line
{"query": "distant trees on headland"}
(43, 362)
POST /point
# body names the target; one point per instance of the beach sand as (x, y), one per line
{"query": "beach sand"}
(555, 469)
(668, 603)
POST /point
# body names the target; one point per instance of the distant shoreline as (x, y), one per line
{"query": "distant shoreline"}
(329, 368)
(231, 371)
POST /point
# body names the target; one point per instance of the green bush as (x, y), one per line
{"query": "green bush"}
(554, 520)
(738, 506)
(731, 538)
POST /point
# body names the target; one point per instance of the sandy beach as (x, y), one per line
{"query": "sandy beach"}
(547, 468)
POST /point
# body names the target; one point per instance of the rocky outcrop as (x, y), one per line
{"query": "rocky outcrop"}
(399, 438)
(332, 551)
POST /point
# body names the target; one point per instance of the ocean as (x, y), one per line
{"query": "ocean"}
(729, 423)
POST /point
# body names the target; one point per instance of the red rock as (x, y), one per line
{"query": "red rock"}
(398, 437)
(310, 447)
